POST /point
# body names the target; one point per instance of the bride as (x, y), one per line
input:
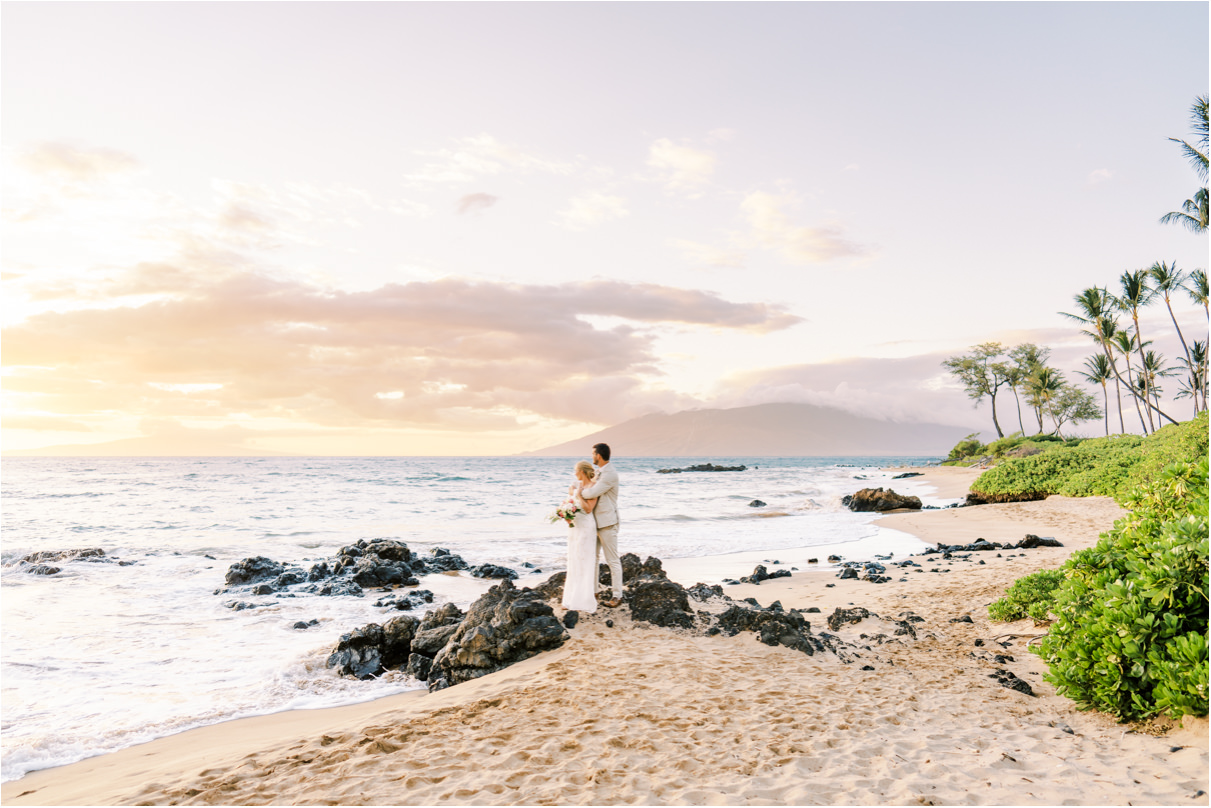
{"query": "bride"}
(580, 586)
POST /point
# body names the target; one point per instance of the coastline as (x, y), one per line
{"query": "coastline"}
(633, 713)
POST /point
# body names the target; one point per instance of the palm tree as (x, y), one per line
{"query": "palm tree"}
(1109, 329)
(1193, 215)
(1169, 278)
(1136, 294)
(1154, 368)
(1196, 287)
(1097, 370)
(1195, 384)
(1026, 358)
(1042, 387)
(1124, 342)
(1096, 307)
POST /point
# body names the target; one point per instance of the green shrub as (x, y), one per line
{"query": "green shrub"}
(1031, 596)
(1092, 466)
(969, 447)
(1130, 632)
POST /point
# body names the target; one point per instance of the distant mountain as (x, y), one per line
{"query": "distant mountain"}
(765, 430)
(153, 446)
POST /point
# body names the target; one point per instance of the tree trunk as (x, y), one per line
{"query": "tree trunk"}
(1106, 408)
(1118, 388)
(1139, 340)
(1185, 350)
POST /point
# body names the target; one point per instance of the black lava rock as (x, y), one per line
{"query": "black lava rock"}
(86, 554)
(493, 571)
(841, 617)
(504, 626)
(701, 591)
(1031, 541)
(660, 601)
(1010, 680)
(253, 569)
(359, 653)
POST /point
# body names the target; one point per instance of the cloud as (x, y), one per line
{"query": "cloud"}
(1100, 175)
(707, 255)
(772, 229)
(683, 169)
(482, 155)
(910, 389)
(475, 203)
(45, 423)
(589, 210)
(78, 163)
(451, 353)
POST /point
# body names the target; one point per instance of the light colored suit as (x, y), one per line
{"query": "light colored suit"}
(605, 488)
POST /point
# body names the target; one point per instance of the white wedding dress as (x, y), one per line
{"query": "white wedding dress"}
(580, 587)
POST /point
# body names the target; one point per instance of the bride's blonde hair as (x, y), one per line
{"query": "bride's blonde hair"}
(586, 467)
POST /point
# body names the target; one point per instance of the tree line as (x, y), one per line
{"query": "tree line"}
(1112, 320)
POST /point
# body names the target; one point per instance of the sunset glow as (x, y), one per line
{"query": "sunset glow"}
(415, 228)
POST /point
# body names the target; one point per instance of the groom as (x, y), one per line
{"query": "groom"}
(606, 487)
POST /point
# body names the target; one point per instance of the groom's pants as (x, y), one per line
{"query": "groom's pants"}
(607, 545)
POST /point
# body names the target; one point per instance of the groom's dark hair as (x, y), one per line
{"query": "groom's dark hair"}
(603, 449)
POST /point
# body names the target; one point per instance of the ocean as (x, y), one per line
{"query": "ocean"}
(102, 656)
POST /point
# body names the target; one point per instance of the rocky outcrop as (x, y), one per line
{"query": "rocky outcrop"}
(258, 568)
(493, 571)
(1030, 542)
(441, 560)
(760, 573)
(632, 567)
(772, 626)
(703, 467)
(866, 570)
(1010, 680)
(504, 626)
(89, 554)
(841, 617)
(878, 500)
(552, 588)
(365, 564)
(907, 474)
(659, 601)
(701, 591)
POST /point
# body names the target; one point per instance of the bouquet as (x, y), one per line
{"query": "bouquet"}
(566, 511)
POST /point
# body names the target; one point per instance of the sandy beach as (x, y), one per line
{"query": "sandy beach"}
(636, 714)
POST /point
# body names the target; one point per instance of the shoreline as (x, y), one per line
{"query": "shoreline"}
(636, 713)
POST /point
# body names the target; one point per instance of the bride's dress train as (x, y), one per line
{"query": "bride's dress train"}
(580, 586)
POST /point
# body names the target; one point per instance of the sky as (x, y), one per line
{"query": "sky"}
(419, 228)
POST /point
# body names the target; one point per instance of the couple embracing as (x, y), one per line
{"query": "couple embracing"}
(593, 530)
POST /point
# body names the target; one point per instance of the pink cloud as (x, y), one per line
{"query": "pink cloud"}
(450, 352)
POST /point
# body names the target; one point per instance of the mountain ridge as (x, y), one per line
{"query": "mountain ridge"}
(763, 430)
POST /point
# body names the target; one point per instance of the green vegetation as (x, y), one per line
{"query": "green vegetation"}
(969, 450)
(1110, 466)
(1032, 596)
(1130, 636)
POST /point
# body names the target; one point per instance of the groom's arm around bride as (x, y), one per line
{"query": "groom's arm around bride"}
(605, 488)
